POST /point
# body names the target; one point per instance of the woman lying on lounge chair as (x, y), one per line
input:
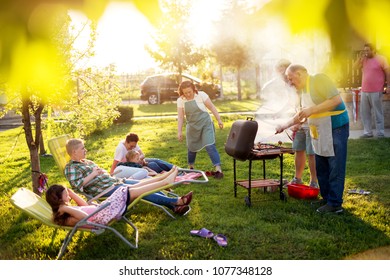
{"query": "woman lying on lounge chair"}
(68, 215)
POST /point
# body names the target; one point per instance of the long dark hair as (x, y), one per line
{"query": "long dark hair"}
(54, 198)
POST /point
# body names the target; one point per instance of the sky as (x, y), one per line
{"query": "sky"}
(123, 32)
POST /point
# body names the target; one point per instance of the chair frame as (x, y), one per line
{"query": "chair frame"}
(36, 207)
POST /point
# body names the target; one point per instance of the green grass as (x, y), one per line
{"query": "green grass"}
(169, 108)
(270, 229)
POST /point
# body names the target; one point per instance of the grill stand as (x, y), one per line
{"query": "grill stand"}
(260, 183)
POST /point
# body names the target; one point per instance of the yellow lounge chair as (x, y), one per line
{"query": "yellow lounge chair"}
(36, 207)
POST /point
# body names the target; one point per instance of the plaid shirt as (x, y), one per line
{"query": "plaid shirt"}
(76, 171)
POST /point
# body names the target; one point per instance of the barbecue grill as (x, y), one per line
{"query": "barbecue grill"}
(245, 131)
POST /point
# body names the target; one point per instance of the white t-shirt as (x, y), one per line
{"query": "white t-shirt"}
(121, 151)
(200, 98)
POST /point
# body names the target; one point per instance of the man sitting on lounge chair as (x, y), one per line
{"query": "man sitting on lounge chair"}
(86, 177)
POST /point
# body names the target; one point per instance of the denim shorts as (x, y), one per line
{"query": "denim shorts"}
(302, 141)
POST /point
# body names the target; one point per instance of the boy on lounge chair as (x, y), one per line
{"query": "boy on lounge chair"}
(86, 177)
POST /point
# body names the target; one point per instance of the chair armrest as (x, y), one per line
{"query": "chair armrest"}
(84, 222)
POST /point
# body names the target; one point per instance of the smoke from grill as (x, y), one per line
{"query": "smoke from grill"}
(278, 106)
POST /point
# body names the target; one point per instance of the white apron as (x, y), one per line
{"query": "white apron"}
(320, 128)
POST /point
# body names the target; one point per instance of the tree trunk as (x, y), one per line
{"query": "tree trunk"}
(42, 149)
(239, 98)
(258, 85)
(38, 127)
(221, 78)
(32, 145)
(180, 71)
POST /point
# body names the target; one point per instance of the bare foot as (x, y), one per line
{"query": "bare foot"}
(165, 174)
(172, 175)
(158, 177)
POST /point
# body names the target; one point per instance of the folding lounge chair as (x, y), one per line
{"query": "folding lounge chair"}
(57, 148)
(36, 207)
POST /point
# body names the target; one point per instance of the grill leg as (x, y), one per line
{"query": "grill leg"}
(281, 193)
(264, 176)
(234, 177)
(248, 201)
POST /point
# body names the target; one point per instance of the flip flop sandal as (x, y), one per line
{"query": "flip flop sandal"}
(221, 240)
(204, 232)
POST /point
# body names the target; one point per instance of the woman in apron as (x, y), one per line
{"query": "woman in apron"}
(329, 128)
(200, 132)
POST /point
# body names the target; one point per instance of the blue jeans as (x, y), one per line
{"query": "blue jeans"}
(213, 154)
(331, 170)
(157, 198)
(158, 165)
(161, 199)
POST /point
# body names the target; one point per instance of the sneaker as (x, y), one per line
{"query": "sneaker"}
(314, 184)
(365, 136)
(380, 136)
(296, 181)
(318, 203)
(330, 209)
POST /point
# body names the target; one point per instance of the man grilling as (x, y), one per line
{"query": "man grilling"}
(329, 128)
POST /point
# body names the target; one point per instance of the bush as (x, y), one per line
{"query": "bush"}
(126, 114)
